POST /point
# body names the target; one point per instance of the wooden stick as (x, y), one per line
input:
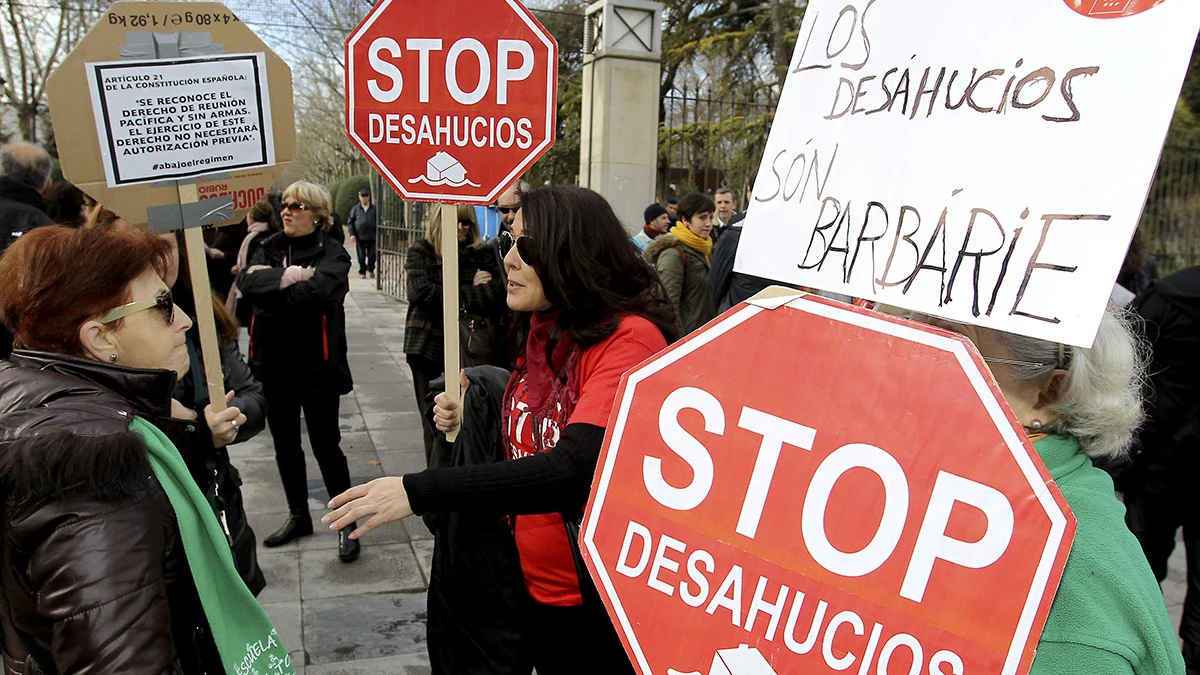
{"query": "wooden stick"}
(450, 341)
(202, 295)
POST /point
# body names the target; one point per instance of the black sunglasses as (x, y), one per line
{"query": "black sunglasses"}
(524, 248)
(164, 304)
(295, 206)
(508, 209)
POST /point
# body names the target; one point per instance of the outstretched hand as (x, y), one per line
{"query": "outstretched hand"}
(380, 501)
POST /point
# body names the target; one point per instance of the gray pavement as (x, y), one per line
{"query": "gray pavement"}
(368, 617)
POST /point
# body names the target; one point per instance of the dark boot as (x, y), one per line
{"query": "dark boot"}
(348, 549)
(295, 526)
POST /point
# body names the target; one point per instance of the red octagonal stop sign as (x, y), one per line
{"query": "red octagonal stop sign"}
(814, 488)
(451, 101)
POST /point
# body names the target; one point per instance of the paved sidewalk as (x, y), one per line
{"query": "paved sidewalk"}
(368, 617)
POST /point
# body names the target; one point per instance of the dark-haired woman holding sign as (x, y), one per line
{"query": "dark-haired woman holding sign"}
(589, 308)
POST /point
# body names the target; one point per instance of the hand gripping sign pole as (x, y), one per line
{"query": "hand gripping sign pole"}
(450, 341)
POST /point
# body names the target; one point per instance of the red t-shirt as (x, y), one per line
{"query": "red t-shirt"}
(542, 541)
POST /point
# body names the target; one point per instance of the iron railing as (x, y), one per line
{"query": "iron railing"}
(1171, 219)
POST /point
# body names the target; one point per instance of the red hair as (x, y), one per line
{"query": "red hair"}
(54, 279)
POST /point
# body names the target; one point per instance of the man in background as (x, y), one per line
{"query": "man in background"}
(658, 221)
(24, 182)
(726, 210)
(362, 226)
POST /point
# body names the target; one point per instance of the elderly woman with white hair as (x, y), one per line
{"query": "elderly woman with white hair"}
(1077, 404)
(297, 281)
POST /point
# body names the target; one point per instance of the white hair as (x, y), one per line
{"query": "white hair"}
(1100, 402)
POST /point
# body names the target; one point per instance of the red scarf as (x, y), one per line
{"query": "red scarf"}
(650, 231)
(550, 385)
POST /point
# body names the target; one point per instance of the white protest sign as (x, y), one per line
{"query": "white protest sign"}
(168, 119)
(983, 162)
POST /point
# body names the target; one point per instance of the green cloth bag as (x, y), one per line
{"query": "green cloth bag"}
(246, 640)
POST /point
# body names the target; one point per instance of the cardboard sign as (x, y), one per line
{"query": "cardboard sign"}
(886, 515)
(163, 79)
(983, 162)
(181, 118)
(451, 105)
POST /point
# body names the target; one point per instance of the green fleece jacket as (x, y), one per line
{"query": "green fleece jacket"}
(1109, 615)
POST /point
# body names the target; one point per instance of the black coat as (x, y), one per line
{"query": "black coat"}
(94, 577)
(729, 287)
(22, 208)
(423, 267)
(298, 334)
(476, 585)
(362, 222)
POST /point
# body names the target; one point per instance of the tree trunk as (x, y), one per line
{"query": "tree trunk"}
(778, 45)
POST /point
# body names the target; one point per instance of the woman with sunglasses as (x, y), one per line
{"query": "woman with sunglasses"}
(588, 308)
(297, 282)
(113, 561)
(480, 294)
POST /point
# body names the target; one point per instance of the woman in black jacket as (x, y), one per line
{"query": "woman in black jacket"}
(480, 292)
(297, 282)
(93, 573)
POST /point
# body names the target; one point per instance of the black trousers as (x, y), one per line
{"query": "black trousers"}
(366, 255)
(1160, 501)
(574, 640)
(284, 403)
(424, 371)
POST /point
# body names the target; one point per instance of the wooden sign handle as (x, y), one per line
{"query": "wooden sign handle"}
(202, 295)
(450, 341)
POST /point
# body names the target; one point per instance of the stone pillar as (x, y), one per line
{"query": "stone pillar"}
(618, 152)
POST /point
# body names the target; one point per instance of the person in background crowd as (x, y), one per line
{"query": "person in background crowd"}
(297, 282)
(658, 221)
(682, 257)
(727, 286)
(221, 246)
(1140, 267)
(206, 455)
(67, 205)
(673, 209)
(479, 284)
(362, 222)
(259, 221)
(1160, 483)
(589, 309)
(509, 204)
(1077, 404)
(24, 183)
(726, 209)
(113, 561)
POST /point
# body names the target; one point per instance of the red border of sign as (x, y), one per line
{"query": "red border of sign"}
(534, 155)
(1062, 532)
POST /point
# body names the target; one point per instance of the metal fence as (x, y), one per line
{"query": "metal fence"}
(401, 224)
(705, 143)
(1171, 219)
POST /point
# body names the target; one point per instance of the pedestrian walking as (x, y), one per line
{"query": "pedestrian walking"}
(362, 225)
(297, 282)
(480, 291)
(682, 257)
(113, 561)
(589, 308)
(1077, 404)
